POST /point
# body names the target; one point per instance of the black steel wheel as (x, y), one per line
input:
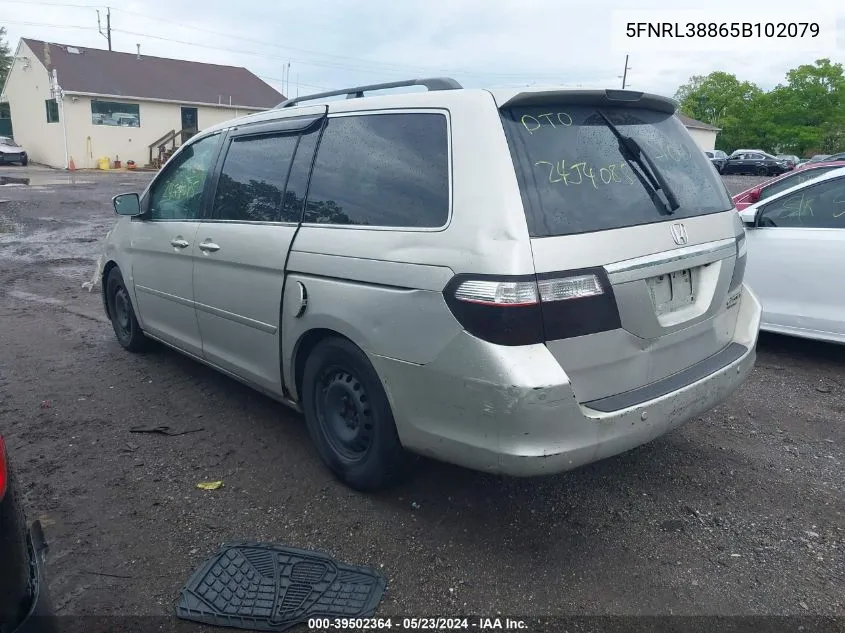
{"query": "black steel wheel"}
(122, 314)
(349, 417)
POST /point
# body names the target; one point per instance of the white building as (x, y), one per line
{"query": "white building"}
(703, 134)
(71, 102)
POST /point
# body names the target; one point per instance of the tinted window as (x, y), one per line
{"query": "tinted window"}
(253, 177)
(795, 178)
(381, 170)
(177, 193)
(574, 179)
(299, 174)
(820, 206)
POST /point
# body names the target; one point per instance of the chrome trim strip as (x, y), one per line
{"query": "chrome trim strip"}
(641, 267)
(165, 295)
(237, 318)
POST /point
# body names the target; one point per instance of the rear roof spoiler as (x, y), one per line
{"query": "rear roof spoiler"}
(629, 98)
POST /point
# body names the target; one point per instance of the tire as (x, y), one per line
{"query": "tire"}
(25, 162)
(349, 417)
(762, 171)
(123, 320)
(14, 552)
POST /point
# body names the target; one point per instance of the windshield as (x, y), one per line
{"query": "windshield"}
(4, 140)
(574, 179)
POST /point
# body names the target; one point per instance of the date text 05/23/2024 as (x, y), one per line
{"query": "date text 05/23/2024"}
(417, 624)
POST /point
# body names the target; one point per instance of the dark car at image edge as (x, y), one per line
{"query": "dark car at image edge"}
(24, 602)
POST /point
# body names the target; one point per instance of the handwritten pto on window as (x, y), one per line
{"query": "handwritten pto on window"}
(723, 29)
(577, 172)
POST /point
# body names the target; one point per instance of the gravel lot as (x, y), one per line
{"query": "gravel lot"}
(739, 512)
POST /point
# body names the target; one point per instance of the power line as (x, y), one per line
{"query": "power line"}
(381, 66)
(358, 64)
(51, 26)
(53, 4)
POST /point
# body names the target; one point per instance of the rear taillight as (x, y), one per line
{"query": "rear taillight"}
(4, 474)
(530, 309)
(741, 259)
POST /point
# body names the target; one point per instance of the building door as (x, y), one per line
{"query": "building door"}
(190, 126)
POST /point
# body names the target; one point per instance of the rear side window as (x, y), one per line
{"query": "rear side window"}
(573, 178)
(387, 170)
(252, 181)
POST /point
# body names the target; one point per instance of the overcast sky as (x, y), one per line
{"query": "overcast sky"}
(339, 43)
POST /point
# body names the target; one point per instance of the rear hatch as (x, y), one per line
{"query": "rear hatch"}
(640, 240)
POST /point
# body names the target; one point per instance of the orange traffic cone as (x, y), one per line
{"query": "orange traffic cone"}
(71, 166)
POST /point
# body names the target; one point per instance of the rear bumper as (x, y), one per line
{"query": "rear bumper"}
(511, 410)
(40, 617)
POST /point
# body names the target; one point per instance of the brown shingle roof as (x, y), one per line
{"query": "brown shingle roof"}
(101, 72)
(688, 122)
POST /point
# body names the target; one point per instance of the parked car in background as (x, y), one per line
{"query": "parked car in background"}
(839, 156)
(368, 232)
(796, 255)
(790, 159)
(755, 163)
(782, 182)
(737, 152)
(818, 158)
(11, 152)
(24, 601)
(718, 158)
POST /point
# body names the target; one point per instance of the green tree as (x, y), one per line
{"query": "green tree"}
(803, 116)
(5, 56)
(810, 107)
(722, 100)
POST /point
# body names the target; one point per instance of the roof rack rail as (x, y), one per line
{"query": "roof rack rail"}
(432, 83)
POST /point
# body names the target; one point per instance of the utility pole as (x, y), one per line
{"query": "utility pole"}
(624, 75)
(107, 34)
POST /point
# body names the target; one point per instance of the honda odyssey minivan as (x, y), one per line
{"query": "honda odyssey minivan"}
(518, 281)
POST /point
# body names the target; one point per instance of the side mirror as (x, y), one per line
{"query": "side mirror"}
(754, 195)
(127, 204)
(748, 216)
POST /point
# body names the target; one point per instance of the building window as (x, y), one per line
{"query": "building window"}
(52, 110)
(115, 113)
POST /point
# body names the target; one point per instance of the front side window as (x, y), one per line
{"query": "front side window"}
(820, 206)
(574, 179)
(177, 193)
(115, 114)
(389, 170)
(795, 178)
(252, 181)
(52, 107)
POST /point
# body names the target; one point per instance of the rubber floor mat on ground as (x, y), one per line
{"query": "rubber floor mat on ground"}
(266, 587)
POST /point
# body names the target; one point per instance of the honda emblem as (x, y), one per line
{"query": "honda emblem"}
(679, 234)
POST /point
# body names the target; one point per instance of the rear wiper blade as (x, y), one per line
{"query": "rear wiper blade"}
(631, 151)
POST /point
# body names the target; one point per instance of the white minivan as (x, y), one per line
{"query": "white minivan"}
(518, 281)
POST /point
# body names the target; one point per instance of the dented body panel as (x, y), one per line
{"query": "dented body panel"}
(512, 410)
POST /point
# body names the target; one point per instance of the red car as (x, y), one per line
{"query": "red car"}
(784, 181)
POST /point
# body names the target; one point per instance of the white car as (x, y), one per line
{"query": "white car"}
(11, 152)
(796, 255)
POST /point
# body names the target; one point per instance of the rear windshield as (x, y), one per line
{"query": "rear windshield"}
(573, 179)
